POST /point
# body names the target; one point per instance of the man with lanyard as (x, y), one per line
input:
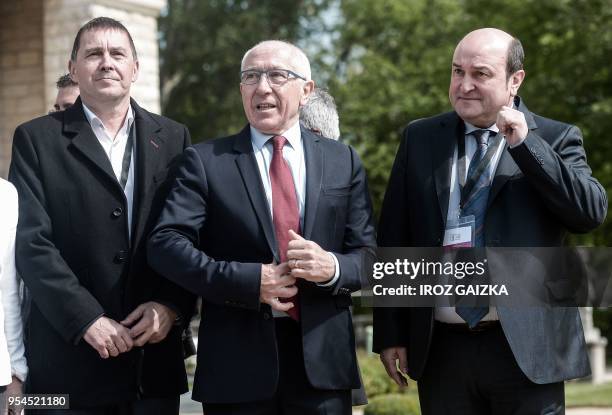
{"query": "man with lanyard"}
(502, 176)
(103, 328)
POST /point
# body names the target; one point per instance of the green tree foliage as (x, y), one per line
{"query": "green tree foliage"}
(202, 43)
(387, 62)
(393, 66)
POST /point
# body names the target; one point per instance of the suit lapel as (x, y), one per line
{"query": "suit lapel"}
(148, 146)
(86, 142)
(444, 142)
(507, 167)
(314, 172)
(247, 165)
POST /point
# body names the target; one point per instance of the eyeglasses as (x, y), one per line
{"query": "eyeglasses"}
(276, 77)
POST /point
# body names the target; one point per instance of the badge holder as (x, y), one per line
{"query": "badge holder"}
(460, 232)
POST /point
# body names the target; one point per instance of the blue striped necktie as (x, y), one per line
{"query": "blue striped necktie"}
(476, 205)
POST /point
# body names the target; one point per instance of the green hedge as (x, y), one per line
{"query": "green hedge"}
(393, 404)
(375, 378)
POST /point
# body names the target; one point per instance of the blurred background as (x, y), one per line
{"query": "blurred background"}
(386, 62)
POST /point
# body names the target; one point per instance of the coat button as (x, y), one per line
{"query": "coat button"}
(120, 257)
(117, 212)
(266, 315)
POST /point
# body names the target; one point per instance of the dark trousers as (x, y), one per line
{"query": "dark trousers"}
(476, 374)
(148, 406)
(295, 395)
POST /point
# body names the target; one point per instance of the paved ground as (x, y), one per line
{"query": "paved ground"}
(189, 407)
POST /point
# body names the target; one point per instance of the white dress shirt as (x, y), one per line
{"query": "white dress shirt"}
(293, 153)
(12, 357)
(448, 314)
(115, 150)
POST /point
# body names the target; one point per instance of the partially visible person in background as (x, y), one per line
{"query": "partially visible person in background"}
(13, 367)
(320, 114)
(67, 93)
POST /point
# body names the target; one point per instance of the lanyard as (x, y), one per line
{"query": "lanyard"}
(127, 156)
(467, 186)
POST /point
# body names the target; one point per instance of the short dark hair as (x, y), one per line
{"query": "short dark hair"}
(65, 81)
(515, 57)
(97, 24)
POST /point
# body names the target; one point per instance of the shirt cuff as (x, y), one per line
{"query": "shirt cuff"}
(178, 320)
(336, 274)
(20, 370)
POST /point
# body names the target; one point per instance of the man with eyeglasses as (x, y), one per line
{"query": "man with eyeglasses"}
(270, 227)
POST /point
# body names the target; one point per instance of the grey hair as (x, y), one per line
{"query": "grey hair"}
(299, 60)
(515, 58)
(321, 115)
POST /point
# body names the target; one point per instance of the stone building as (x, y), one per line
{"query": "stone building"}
(36, 38)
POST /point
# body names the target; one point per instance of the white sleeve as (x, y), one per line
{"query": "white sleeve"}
(9, 288)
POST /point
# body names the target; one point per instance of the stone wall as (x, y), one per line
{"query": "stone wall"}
(36, 38)
(22, 92)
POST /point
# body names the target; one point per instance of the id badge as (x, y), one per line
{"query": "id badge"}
(459, 232)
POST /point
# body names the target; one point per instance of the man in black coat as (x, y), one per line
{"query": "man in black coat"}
(104, 327)
(537, 186)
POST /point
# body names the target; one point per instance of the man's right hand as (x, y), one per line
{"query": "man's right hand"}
(108, 337)
(276, 282)
(390, 358)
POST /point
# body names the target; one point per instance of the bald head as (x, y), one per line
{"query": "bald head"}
(286, 52)
(489, 35)
(496, 42)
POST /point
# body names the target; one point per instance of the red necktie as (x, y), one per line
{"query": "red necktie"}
(285, 212)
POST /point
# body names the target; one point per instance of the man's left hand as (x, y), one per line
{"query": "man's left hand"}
(512, 125)
(308, 260)
(151, 322)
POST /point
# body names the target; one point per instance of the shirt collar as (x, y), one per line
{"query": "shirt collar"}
(469, 128)
(93, 119)
(293, 135)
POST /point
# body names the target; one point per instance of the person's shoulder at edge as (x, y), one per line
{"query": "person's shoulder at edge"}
(7, 190)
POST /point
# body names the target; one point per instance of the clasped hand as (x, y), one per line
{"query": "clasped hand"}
(305, 260)
(150, 322)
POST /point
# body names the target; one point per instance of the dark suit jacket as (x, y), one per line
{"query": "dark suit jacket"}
(74, 255)
(215, 232)
(541, 190)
